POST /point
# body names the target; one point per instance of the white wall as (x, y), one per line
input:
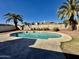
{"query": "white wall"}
(50, 26)
(6, 28)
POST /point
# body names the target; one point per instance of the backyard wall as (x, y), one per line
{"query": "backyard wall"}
(4, 27)
(50, 26)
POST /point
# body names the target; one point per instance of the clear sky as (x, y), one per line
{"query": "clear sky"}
(32, 10)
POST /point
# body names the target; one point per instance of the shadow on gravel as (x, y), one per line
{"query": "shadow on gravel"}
(19, 49)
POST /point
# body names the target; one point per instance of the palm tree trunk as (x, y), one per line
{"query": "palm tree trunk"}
(72, 23)
(16, 26)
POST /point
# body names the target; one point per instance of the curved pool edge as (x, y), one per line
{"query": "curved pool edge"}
(63, 38)
(58, 35)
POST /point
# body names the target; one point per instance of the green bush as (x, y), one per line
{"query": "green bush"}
(55, 29)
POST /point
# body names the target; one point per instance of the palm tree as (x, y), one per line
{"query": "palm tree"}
(66, 22)
(69, 11)
(14, 17)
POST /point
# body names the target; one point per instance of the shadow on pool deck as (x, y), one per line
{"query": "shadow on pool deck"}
(19, 49)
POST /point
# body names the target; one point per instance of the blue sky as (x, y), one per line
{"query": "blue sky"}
(32, 10)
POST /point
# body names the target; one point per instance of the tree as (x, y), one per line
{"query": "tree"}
(69, 10)
(26, 23)
(66, 22)
(14, 17)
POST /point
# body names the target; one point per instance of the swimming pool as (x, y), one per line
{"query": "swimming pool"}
(36, 35)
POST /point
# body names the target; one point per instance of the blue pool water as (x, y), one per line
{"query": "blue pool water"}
(36, 35)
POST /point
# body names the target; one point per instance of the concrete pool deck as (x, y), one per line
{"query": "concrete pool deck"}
(50, 44)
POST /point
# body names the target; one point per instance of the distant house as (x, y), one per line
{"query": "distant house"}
(6, 25)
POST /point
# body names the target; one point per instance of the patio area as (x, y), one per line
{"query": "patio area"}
(63, 50)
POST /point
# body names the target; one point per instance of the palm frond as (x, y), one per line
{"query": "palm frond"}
(66, 4)
(66, 22)
(77, 2)
(7, 14)
(77, 15)
(8, 20)
(19, 17)
(77, 7)
(20, 20)
(73, 2)
(68, 1)
(63, 7)
(61, 15)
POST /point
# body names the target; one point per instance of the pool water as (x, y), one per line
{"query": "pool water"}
(36, 35)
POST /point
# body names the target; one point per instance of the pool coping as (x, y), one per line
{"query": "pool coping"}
(63, 38)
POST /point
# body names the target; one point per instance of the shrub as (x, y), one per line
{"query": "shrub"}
(32, 29)
(46, 28)
(55, 29)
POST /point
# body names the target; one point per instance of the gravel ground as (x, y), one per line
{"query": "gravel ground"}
(72, 46)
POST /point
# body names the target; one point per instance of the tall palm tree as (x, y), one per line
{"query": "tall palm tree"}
(66, 22)
(69, 11)
(14, 17)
